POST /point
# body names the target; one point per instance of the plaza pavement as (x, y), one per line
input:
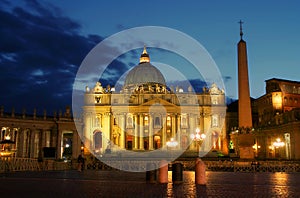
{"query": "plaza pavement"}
(90, 183)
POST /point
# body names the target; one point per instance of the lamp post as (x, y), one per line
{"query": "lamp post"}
(172, 143)
(198, 138)
(255, 148)
(278, 144)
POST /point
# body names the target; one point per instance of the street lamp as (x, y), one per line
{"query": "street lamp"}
(198, 138)
(172, 143)
(255, 148)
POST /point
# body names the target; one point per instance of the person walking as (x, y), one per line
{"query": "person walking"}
(80, 162)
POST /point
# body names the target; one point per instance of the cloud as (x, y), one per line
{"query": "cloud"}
(227, 78)
(40, 53)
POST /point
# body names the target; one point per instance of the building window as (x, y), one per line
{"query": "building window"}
(129, 121)
(214, 100)
(98, 141)
(285, 100)
(184, 121)
(47, 138)
(146, 121)
(97, 99)
(97, 122)
(157, 122)
(168, 121)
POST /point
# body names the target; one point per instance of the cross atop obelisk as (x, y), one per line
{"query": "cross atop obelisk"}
(241, 28)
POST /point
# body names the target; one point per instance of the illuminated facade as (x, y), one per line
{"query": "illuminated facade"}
(278, 129)
(146, 114)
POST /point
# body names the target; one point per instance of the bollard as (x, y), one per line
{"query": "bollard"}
(177, 169)
(163, 172)
(151, 173)
(200, 176)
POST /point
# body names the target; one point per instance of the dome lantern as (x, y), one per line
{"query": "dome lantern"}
(144, 56)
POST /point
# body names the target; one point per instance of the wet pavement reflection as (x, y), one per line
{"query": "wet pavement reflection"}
(127, 184)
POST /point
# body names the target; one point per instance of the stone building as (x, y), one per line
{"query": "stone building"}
(146, 114)
(279, 120)
(34, 136)
(275, 130)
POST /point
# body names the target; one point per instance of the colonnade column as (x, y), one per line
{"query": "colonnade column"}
(76, 145)
(20, 143)
(58, 144)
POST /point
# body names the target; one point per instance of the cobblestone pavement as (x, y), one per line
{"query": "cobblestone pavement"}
(57, 184)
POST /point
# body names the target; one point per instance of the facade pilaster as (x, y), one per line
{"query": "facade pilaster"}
(135, 131)
(150, 132)
(141, 126)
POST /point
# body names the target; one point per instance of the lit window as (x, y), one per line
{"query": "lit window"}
(146, 121)
(168, 121)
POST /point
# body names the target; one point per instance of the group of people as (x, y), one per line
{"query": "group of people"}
(80, 161)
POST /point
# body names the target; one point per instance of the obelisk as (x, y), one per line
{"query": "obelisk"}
(245, 113)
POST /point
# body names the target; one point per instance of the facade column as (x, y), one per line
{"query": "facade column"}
(208, 140)
(141, 126)
(150, 132)
(135, 132)
(192, 129)
(87, 130)
(164, 131)
(202, 123)
(106, 129)
(178, 131)
(122, 126)
(173, 126)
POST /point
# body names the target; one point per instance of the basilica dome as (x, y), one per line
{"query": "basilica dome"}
(144, 73)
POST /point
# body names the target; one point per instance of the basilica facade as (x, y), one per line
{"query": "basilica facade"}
(146, 115)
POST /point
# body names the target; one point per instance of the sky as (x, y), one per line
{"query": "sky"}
(43, 43)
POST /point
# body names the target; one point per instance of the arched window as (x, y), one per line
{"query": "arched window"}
(157, 121)
(285, 100)
(129, 121)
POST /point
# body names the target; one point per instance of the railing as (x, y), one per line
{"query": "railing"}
(254, 166)
(28, 164)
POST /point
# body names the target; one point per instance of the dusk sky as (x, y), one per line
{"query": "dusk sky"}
(42, 43)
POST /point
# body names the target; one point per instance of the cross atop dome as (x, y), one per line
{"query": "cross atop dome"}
(145, 56)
